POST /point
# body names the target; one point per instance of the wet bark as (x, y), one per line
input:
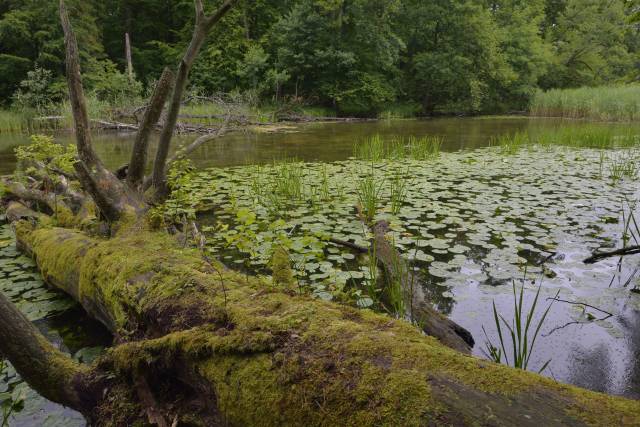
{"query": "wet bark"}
(111, 196)
(44, 367)
(419, 309)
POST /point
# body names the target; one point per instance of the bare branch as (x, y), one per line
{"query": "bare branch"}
(199, 35)
(110, 195)
(212, 20)
(197, 143)
(151, 117)
(199, 11)
(599, 256)
(48, 199)
(76, 93)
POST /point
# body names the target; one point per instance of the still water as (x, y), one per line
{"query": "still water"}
(598, 354)
(309, 142)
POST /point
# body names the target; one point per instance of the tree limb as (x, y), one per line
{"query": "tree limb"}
(202, 27)
(630, 250)
(56, 376)
(110, 195)
(152, 114)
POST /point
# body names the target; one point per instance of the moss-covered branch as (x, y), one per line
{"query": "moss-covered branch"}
(55, 375)
(220, 347)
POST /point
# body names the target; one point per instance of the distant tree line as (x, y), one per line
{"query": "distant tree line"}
(355, 56)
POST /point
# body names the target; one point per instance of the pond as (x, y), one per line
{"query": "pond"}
(471, 219)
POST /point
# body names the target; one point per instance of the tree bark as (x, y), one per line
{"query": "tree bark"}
(202, 27)
(127, 49)
(45, 368)
(112, 197)
(220, 348)
(138, 163)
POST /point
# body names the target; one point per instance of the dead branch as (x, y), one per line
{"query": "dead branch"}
(44, 367)
(138, 162)
(582, 304)
(109, 194)
(599, 256)
(201, 29)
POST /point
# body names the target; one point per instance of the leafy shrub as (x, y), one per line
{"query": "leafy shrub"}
(38, 91)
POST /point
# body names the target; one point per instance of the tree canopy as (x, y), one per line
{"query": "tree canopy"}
(355, 56)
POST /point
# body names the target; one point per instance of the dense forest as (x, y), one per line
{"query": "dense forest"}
(356, 57)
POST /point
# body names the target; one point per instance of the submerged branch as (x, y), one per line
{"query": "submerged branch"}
(583, 304)
(630, 250)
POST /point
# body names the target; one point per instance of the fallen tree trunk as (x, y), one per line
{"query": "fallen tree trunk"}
(203, 345)
(418, 308)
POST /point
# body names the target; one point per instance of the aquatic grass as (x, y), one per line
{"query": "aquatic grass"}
(288, 180)
(619, 103)
(424, 148)
(376, 149)
(369, 194)
(623, 165)
(398, 192)
(585, 136)
(371, 275)
(519, 331)
(511, 144)
(372, 149)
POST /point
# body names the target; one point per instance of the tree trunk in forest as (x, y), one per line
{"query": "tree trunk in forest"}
(220, 348)
(127, 49)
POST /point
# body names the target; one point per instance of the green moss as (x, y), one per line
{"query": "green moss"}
(281, 268)
(277, 359)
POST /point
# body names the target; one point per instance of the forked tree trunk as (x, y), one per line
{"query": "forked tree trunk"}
(204, 345)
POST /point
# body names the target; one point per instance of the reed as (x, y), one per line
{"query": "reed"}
(620, 103)
(521, 332)
(369, 192)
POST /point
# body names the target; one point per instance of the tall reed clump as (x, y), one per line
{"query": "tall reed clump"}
(30, 121)
(605, 103)
(586, 136)
(369, 194)
(510, 144)
(372, 149)
(11, 121)
(623, 165)
(522, 332)
(376, 149)
(398, 192)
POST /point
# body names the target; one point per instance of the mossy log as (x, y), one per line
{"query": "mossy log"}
(209, 346)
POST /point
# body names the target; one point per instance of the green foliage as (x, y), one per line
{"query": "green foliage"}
(359, 58)
(110, 85)
(38, 91)
(522, 329)
(44, 150)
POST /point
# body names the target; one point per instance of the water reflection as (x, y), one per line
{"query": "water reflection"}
(309, 142)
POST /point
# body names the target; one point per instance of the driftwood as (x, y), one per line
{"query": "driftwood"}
(396, 269)
(599, 256)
